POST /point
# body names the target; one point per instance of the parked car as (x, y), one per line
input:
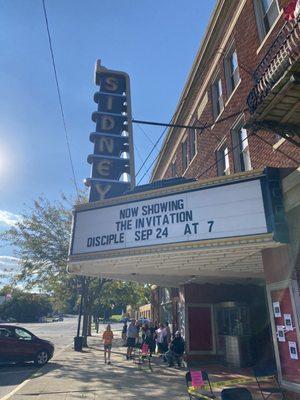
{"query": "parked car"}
(57, 318)
(18, 344)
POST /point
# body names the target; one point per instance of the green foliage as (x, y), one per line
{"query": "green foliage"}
(41, 239)
(25, 307)
(122, 293)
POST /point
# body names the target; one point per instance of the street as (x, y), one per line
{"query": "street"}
(60, 333)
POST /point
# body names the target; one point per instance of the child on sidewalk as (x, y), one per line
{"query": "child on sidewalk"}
(107, 341)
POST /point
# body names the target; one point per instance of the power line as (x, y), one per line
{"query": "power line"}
(151, 151)
(144, 132)
(233, 148)
(166, 125)
(59, 98)
(150, 166)
(138, 152)
(279, 150)
(217, 162)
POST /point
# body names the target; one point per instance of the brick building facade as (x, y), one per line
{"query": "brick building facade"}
(233, 27)
(222, 247)
(243, 39)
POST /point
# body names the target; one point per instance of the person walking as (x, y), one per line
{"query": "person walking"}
(107, 341)
(132, 335)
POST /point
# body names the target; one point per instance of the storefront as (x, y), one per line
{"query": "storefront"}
(208, 240)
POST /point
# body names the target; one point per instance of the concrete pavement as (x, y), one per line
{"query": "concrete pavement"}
(60, 333)
(83, 375)
(73, 375)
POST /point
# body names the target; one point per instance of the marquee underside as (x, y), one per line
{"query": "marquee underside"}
(217, 261)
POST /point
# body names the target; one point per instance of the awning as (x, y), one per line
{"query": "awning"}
(245, 222)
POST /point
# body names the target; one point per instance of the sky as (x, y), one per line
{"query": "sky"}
(155, 42)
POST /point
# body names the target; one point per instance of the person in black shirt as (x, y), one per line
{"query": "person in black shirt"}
(176, 350)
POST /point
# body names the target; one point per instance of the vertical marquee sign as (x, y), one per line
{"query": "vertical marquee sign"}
(113, 160)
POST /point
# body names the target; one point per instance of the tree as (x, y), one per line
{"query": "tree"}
(41, 240)
(25, 307)
(120, 293)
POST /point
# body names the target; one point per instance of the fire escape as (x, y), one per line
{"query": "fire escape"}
(274, 101)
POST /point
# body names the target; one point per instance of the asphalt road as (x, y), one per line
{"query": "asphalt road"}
(60, 333)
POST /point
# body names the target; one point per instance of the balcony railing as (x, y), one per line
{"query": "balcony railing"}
(283, 53)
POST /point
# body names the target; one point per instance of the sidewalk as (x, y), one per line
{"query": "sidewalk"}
(73, 375)
(83, 375)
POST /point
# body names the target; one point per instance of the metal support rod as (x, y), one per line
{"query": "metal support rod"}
(136, 121)
(80, 307)
(205, 126)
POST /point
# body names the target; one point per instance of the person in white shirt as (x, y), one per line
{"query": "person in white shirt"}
(161, 339)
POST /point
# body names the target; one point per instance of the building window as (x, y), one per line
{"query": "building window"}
(217, 97)
(241, 153)
(223, 161)
(266, 12)
(232, 70)
(184, 155)
(174, 168)
(192, 143)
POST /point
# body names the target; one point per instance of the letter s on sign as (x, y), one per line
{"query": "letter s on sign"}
(111, 84)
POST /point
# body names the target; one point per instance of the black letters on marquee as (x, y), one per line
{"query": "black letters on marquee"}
(113, 136)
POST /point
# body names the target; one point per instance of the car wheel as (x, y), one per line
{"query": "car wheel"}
(41, 358)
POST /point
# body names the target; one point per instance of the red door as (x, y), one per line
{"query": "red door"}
(200, 328)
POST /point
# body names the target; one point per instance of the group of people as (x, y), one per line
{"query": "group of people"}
(155, 336)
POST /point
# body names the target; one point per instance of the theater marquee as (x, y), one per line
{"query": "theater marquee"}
(223, 211)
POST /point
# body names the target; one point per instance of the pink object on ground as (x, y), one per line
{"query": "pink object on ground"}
(145, 348)
(197, 380)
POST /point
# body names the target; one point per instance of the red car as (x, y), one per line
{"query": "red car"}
(18, 344)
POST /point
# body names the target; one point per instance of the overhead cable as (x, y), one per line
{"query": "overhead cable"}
(60, 99)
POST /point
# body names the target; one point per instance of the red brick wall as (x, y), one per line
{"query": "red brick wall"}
(245, 37)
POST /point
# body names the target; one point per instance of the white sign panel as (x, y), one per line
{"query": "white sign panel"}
(212, 213)
(280, 333)
(293, 350)
(276, 308)
(288, 322)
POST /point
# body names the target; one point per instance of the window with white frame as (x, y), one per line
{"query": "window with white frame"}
(192, 143)
(231, 70)
(223, 161)
(217, 97)
(174, 168)
(266, 12)
(241, 154)
(184, 155)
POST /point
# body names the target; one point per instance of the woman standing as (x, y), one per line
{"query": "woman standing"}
(151, 339)
(107, 341)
